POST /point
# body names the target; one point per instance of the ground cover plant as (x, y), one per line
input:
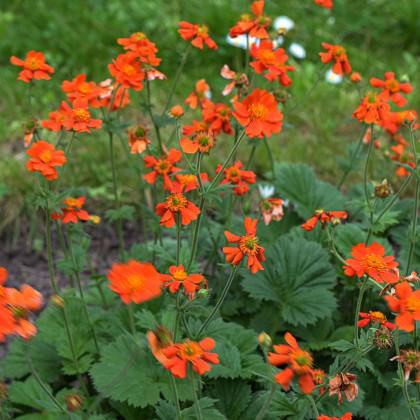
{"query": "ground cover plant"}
(254, 290)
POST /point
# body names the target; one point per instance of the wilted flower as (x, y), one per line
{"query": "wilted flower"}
(272, 209)
(341, 383)
(200, 96)
(383, 338)
(410, 359)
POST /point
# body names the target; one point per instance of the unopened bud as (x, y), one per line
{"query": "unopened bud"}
(95, 220)
(355, 78)
(74, 402)
(57, 301)
(203, 293)
(383, 190)
(264, 339)
(176, 111)
(281, 95)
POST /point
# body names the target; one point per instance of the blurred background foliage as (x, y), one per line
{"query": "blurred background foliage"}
(80, 37)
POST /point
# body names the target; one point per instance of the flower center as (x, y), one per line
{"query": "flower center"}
(179, 275)
(188, 179)
(374, 262)
(81, 115)
(377, 317)
(233, 175)
(339, 53)
(371, 98)
(392, 85)
(176, 202)
(203, 30)
(140, 132)
(190, 351)
(139, 36)
(267, 57)
(263, 21)
(34, 64)
(20, 312)
(301, 362)
(163, 166)
(72, 202)
(257, 112)
(248, 244)
(412, 304)
(46, 156)
(205, 141)
(129, 70)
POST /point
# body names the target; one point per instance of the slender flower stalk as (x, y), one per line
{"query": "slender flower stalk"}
(79, 284)
(116, 199)
(365, 172)
(219, 302)
(64, 248)
(152, 117)
(175, 394)
(194, 394)
(358, 305)
(195, 233)
(270, 155)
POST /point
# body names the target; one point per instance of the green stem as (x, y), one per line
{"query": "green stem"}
(369, 234)
(220, 301)
(64, 248)
(116, 199)
(49, 252)
(192, 169)
(132, 321)
(356, 152)
(177, 315)
(97, 282)
(176, 397)
(365, 172)
(178, 237)
(41, 384)
(311, 400)
(401, 374)
(194, 394)
(251, 157)
(307, 94)
(416, 205)
(332, 246)
(66, 154)
(178, 74)
(152, 117)
(267, 403)
(270, 155)
(358, 305)
(186, 327)
(195, 233)
(232, 152)
(82, 296)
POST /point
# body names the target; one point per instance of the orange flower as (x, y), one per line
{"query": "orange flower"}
(79, 88)
(299, 363)
(137, 138)
(355, 78)
(135, 281)
(371, 261)
(143, 48)
(396, 120)
(30, 127)
(163, 166)
(256, 26)
(200, 33)
(403, 157)
(119, 100)
(55, 122)
(127, 70)
(239, 80)
(21, 303)
(324, 217)
(347, 416)
(341, 384)
(197, 126)
(258, 112)
(180, 355)
(44, 159)
(34, 67)
(189, 182)
(375, 317)
(247, 246)
(200, 96)
(174, 204)
(373, 109)
(218, 116)
(318, 376)
(202, 142)
(237, 177)
(271, 60)
(392, 88)
(272, 209)
(337, 54)
(7, 324)
(407, 304)
(179, 277)
(78, 119)
(176, 111)
(328, 4)
(159, 339)
(72, 212)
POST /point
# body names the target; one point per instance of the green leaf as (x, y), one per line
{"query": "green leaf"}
(297, 278)
(125, 212)
(165, 410)
(281, 406)
(387, 220)
(146, 320)
(298, 183)
(230, 361)
(233, 397)
(207, 410)
(342, 346)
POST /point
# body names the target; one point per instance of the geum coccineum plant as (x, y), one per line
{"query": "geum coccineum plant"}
(172, 327)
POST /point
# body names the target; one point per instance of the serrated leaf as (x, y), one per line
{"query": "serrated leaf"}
(281, 406)
(207, 410)
(165, 410)
(230, 362)
(297, 278)
(83, 362)
(298, 183)
(342, 346)
(387, 220)
(146, 320)
(233, 397)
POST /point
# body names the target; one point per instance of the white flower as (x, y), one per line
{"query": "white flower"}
(333, 78)
(283, 22)
(240, 41)
(297, 50)
(266, 191)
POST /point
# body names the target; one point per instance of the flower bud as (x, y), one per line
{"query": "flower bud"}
(176, 111)
(264, 339)
(355, 78)
(203, 293)
(57, 301)
(383, 190)
(74, 402)
(95, 219)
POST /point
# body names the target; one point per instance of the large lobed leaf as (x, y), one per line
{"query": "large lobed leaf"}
(297, 278)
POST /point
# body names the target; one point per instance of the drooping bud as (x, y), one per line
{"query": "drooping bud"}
(73, 402)
(264, 339)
